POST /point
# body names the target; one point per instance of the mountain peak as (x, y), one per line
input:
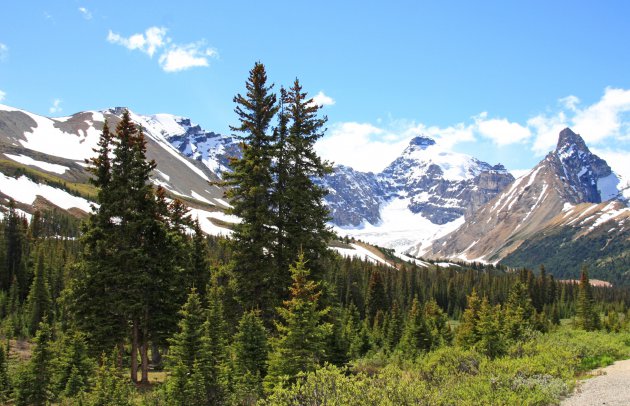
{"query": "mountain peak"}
(422, 142)
(568, 139)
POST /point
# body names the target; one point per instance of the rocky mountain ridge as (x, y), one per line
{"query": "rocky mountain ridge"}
(568, 176)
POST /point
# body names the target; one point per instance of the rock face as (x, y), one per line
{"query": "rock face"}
(439, 185)
(568, 176)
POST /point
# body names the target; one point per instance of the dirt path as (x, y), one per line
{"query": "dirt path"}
(611, 386)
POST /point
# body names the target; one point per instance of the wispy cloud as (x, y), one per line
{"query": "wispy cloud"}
(148, 42)
(2, 95)
(4, 51)
(321, 99)
(85, 13)
(56, 107)
(500, 130)
(182, 57)
(173, 57)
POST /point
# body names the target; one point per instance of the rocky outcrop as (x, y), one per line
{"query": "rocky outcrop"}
(439, 185)
(568, 176)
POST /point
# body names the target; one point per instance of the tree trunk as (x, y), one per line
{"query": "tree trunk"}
(156, 356)
(144, 348)
(134, 352)
(144, 355)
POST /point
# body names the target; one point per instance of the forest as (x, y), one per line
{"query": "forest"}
(134, 305)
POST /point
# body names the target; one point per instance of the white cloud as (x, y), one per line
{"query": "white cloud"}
(148, 42)
(4, 51)
(501, 131)
(370, 152)
(570, 102)
(85, 13)
(2, 95)
(56, 107)
(546, 129)
(182, 57)
(173, 57)
(604, 118)
(322, 99)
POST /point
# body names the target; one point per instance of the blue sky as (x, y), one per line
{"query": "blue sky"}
(494, 79)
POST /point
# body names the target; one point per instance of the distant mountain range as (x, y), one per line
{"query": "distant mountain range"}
(429, 202)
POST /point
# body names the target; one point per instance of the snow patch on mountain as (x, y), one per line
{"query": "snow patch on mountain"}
(25, 191)
(27, 160)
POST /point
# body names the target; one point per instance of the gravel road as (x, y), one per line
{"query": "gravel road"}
(611, 386)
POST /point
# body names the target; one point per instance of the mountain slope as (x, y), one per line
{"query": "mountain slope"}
(420, 196)
(568, 176)
(43, 158)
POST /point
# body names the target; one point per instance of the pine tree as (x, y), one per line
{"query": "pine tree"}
(376, 299)
(110, 388)
(34, 382)
(200, 264)
(437, 322)
(302, 334)
(188, 344)
(5, 384)
(586, 316)
(250, 185)
(72, 366)
(250, 358)
(416, 336)
(39, 302)
(394, 331)
(305, 215)
(519, 312)
(489, 328)
(468, 333)
(129, 273)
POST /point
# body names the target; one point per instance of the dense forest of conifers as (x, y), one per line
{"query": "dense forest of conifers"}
(134, 305)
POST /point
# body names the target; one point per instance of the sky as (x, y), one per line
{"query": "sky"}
(494, 79)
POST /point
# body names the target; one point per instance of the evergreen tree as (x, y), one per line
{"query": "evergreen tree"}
(376, 299)
(250, 358)
(305, 215)
(39, 302)
(437, 322)
(250, 185)
(468, 333)
(34, 381)
(394, 331)
(489, 328)
(519, 312)
(586, 316)
(73, 368)
(110, 388)
(300, 345)
(5, 384)
(188, 344)
(416, 336)
(129, 273)
(199, 258)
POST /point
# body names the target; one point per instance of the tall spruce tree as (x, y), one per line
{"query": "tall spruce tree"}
(250, 358)
(127, 271)
(305, 215)
(586, 316)
(34, 382)
(302, 334)
(250, 184)
(39, 302)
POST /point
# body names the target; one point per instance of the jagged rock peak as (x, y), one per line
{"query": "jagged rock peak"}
(421, 141)
(568, 138)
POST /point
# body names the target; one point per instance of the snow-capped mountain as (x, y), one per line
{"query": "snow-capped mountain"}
(43, 161)
(422, 194)
(568, 176)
